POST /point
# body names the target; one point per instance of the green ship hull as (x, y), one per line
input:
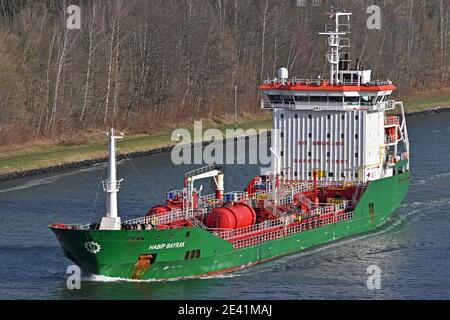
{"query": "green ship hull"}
(195, 252)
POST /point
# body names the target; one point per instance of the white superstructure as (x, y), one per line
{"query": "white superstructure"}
(336, 128)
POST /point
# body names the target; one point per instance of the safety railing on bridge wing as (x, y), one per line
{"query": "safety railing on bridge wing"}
(386, 105)
(392, 121)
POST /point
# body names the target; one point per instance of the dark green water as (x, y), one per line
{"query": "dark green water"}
(413, 250)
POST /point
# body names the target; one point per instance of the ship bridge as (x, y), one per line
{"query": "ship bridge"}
(318, 95)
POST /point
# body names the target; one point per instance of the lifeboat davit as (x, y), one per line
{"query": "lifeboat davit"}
(232, 217)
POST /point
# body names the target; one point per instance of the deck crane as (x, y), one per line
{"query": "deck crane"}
(204, 173)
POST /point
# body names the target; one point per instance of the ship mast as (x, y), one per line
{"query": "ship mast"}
(111, 186)
(335, 43)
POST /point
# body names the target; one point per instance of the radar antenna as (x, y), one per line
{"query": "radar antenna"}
(336, 42)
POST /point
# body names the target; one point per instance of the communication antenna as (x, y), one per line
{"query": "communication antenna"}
(337, 41)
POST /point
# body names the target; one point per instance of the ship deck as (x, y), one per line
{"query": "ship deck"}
(287, 217)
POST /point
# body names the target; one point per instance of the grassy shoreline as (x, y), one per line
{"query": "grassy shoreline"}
(39, 158)
(96, 149)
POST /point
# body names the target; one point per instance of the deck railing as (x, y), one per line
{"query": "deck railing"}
(167, 218)
(228, 234)
(284, 196)
(316, 82)
(71, 226)
(386, 105)
(289, 231)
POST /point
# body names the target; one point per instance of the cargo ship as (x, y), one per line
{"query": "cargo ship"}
(340, 168)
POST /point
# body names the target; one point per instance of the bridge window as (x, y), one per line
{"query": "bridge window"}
(347, 78)
(368, 100)
(352, 100)
(336, 99)
(319, 99)
(277, 99)
(288, 99)
(302, 98)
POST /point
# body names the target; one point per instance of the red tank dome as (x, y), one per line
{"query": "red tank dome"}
(234, 217)
(160, 210)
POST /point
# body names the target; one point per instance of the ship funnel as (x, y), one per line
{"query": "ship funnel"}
(111, 186)
(283, 74)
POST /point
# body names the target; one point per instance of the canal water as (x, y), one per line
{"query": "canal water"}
(412, 251)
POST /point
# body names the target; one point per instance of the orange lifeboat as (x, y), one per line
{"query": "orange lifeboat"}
(232, 217)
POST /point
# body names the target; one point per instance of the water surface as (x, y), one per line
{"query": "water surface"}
(413, 250)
